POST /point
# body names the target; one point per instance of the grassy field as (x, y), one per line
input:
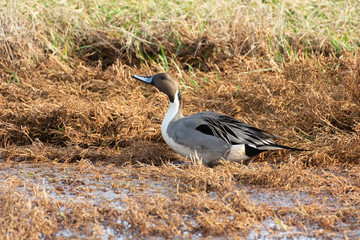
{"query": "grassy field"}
(81, 150)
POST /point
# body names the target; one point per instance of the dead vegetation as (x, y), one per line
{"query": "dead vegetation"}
(71, 107)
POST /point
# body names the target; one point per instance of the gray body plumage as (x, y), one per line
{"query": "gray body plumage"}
(209, 148)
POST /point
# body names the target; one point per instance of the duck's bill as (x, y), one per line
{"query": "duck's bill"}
(144, 79)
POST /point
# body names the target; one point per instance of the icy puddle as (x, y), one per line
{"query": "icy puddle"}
(85, 183)
(112, 187)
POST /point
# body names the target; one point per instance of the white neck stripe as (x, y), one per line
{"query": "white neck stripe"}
(171, 113)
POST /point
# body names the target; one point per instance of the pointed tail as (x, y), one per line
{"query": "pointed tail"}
(278, 147)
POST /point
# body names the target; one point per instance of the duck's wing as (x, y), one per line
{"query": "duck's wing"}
(234, 132)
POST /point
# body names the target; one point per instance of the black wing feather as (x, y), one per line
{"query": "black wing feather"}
(224, 127)
(215, 128)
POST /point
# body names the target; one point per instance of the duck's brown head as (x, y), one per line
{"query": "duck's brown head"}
(162, 81)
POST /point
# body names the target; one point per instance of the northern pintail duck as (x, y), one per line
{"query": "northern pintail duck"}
(210, 136)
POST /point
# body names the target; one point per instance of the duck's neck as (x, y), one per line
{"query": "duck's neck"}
(174, 112)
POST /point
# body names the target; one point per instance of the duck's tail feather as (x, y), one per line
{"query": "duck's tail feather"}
(278, 147)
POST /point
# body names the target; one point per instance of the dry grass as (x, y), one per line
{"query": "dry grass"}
(70, 108)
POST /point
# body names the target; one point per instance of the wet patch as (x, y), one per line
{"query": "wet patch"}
(121, 191)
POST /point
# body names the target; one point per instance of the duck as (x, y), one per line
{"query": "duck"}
(209, 136)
